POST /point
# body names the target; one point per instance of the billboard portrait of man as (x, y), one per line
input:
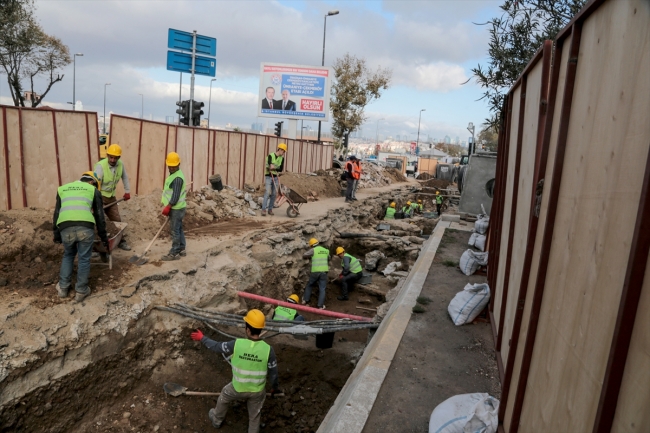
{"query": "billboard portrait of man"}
(286, 104)
(269, 103)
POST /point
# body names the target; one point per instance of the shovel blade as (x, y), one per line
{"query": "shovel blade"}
(174, 389)
(138, 260)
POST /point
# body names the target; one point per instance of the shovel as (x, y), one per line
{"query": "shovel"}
(176, 390)
(141, 259)
(111, 204)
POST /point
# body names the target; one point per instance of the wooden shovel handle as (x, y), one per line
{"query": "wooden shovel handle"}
(155, 237)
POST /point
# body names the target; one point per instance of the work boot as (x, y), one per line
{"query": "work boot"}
(342, 298)
(304, 302)
(354, 199)
(63, 292)
(124, 246)
(270, 212)
(78, 297)
(263, 213)
(322, 307)
(169, 257)
(212, 414)
(183, 253)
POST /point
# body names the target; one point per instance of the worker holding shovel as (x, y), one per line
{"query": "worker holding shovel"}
(252, 360)
(173, 197)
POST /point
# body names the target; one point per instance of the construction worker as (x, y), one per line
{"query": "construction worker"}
(420, 206)
(408, 210)
(350, 175)
(273, 168)
(286, 313)
(351, 274)
(173, 198)
(252, 361)
(390, 212)
(356, 172)
(438, 201)
(109, 171)
(78, 210)
(319, 268)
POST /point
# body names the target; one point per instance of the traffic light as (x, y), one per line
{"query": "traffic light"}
(184, 111)
(197, 112)
(278, 129)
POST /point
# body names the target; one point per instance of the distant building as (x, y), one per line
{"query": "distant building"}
(447, 139)
(259, 127)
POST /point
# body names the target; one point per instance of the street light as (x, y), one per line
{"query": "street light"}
(472, 147)
(210, 101)
(329, 14)
(377, 131)
(417, 142)
(106, 84)
(142, 106)
(74, 71)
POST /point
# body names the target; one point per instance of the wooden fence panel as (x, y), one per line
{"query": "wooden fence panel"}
(200, 155)
(15, 158)
(152, 169)
(39, 156)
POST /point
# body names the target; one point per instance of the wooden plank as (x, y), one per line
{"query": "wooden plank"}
(200, 157)
(152, 172)
(73, 139)
(5, 181)
(13, 146)
(184, 142)
(221, 154)
(39, 157)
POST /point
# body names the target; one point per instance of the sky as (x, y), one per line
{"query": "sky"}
(430, 46)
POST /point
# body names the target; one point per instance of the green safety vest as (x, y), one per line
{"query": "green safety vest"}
(355, 264)
(168, 191)
(406, 209)
(319, 260)
(276, 161)
(414, 206)
(390, 213)
(109, 181)
(76, 202)
(420, 206)
(284, 313)
(438, 199)
(249, 362)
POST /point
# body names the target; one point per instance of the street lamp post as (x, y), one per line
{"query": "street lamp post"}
(329, 14)
(74, 82)
(106, 84)
(472, 148)
(417, 142)
(210, 101)
(377, 131)
(141, 106)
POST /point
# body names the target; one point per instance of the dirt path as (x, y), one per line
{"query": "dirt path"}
(436, 359)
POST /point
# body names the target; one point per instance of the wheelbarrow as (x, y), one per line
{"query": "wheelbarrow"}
(113, 242)
(292, 198)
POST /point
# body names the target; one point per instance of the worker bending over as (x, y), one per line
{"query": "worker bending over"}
(173, 198)
(351, 274)
(408, 210)
(419, 207)
(78, 210)
(286, 313)
(319, 268)
(390, 212)
(273, 168)
(252, 361)
(109, 171)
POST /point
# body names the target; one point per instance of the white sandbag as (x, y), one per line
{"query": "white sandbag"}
(471, 260)
(481, 225)
(472, 239)
(466, 413)
(392, 267)
(480, 242)
(469, 303)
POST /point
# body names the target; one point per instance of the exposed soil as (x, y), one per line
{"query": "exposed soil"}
(304, 184)
(436, 183)
(435, 358)
(395, 174)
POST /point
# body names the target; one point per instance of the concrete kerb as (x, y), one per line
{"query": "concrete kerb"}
(355, 401)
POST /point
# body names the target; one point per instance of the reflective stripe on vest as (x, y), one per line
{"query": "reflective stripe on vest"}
(284, 313)
(276, 161)
(109, 181)
(250, 361)
(319, 260)
(76, 202)
(355, 264)
(390, 213)
(168, 192)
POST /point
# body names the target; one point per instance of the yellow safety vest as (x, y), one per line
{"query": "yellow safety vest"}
(355, 265)
(284, 313)
(168, 191)
(390, 213)
(76, 202)
(276, 161)
(319, 260)
(108, 180)
(250, 361)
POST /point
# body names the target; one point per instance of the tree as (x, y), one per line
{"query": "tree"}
(27, 52)
(488, 138)
(515, 36)
(354, 87)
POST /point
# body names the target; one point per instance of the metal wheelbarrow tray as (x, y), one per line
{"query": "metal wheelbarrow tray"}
(113, 242)
(293, 199)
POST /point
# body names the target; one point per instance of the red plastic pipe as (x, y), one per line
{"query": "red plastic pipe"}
(302, 307)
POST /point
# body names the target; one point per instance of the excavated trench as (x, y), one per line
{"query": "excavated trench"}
(100, 366)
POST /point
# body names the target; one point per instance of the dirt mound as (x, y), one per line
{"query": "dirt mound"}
(436, 183)
(323, 184)
(395, 174)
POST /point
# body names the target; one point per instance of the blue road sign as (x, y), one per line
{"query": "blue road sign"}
(182, 62)
(178, 40)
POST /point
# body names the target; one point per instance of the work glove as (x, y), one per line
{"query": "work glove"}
(275, 391)
(197, 336)
(340, 276)
(127, 196)
(166, 210)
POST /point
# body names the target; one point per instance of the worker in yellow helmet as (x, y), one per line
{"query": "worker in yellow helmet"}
(351, 273)
(419, 206)
(253, 362)
(439, 200)
(408, 210)
(390, 212)
(77, 212)
(173, 198)
(109, 171)
(273, 168)
(286, 313)
(320, 258)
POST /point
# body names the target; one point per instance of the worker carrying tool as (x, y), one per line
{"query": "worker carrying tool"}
(408, 210)
(252, 361)
(173, 197)
(438, 201)
(78, 210)
(286, 313)
(351, 274)
(109, 171)
(390, 212)
(274, 167)
(319, 268)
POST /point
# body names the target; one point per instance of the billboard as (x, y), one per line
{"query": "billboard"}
(294, 92)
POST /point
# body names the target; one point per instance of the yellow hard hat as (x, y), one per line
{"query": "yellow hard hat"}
(255, 318)
(282, 146)
(91, 174)
(293, 298)
(419, 201)
(313, 242)
(339, 250)
(392, 204)
(408, 202)
(173, 159)
(437, 192)
(114, 150)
